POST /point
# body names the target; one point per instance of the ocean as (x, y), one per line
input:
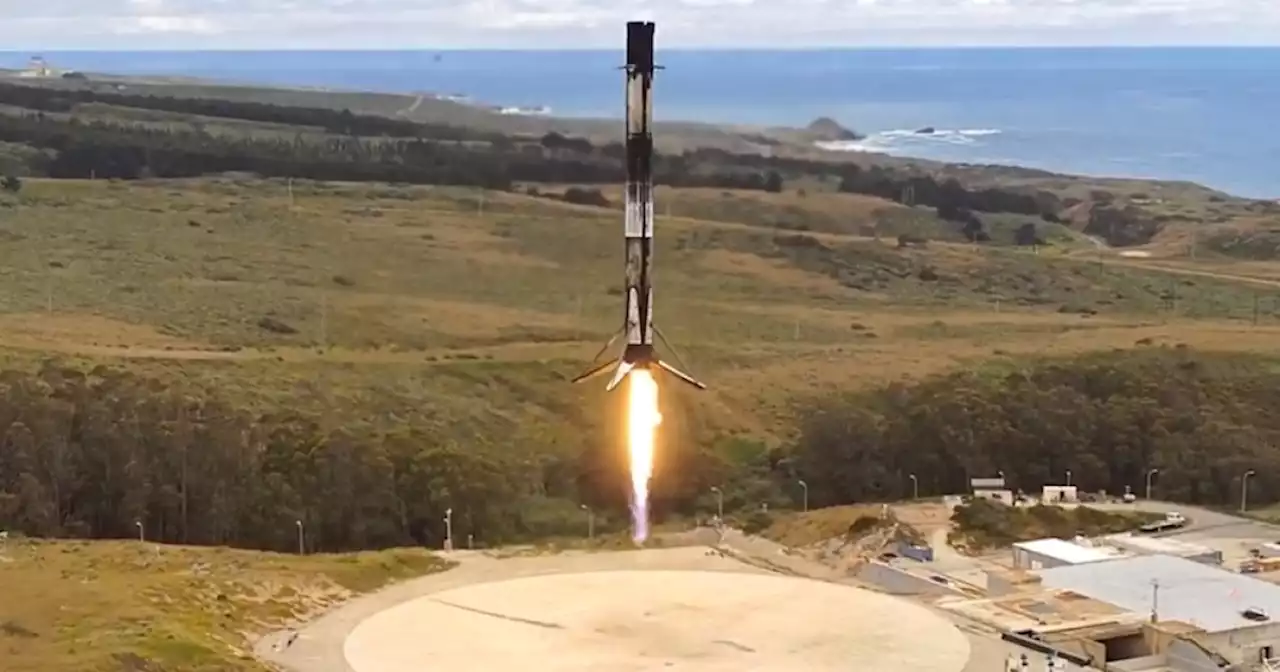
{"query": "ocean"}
(1199, 114)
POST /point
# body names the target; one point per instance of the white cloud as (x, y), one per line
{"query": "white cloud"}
(132, 24)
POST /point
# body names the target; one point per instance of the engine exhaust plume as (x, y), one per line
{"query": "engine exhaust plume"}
(643, 419)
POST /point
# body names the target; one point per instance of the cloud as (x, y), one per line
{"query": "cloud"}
(131, 24)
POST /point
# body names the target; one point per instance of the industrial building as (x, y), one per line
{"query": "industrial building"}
(991, 488)
(1057, 494)
(1143, 545)
(1046, 553)
(1225, 614)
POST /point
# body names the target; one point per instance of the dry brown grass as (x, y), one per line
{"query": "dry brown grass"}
(76, 605)
(767, 271)
(411, 296)
(797, 529)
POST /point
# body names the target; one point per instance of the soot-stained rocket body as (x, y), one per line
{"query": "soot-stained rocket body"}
(637, 326)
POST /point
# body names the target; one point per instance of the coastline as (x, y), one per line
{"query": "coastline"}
(672, 136)
(1135, 198)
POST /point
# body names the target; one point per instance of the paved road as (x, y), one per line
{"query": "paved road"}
(1199, 521)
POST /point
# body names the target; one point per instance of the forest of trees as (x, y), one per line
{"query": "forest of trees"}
(371, 148)
(88, 454)
(1203, 421)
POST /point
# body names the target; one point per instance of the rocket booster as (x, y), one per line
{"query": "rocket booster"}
(637, 318)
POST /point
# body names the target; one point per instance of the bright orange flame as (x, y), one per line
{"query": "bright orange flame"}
(642, 424)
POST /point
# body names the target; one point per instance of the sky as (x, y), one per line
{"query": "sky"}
(40, 25)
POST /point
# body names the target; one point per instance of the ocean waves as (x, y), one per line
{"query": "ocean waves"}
(909, 141)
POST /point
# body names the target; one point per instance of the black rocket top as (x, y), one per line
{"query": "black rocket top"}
(640, 45)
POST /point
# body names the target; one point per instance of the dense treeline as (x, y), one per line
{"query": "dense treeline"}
(334, 121)
(87, 455)
(1202, 421)
(370, 148)
(94, 455)
(104, 150)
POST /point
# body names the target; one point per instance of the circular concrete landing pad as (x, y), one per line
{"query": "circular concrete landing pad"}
(657, 620)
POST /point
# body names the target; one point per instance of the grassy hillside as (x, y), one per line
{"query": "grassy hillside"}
(460, 314)
(1164, 219)
(671, 136)
(415, 302)
(133, 606)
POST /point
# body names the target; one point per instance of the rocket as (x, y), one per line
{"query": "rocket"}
(637, 318)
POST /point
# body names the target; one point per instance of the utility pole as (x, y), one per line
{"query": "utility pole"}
(591, 521)
(1155, 599)
(1244, 490)
(1255, 308)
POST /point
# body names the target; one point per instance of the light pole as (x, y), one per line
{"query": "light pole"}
(591, 521)
(448, 529)
(1244, 490)
(805, 487)
(141, 536)
(719, 502)
(1150, 473)
(302, 546)
(1068, 478)
(915, 486)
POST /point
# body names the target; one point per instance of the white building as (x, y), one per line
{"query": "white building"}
(1056, 494)
(1137, 544)
(1047, 553)
(1233, 615)
(991, 488)
(37, 67)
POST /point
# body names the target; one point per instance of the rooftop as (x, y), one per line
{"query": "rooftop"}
(1206, 597)
(1067, 551)
(1167, 545)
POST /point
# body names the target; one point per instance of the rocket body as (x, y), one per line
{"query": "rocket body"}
(638, 217)
(638, 328)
